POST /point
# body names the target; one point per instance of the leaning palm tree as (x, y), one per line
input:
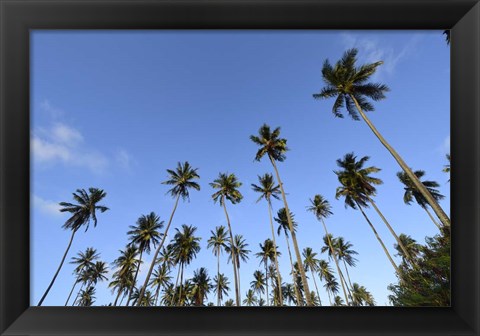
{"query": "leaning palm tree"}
(83, 261)
(275, 148)
(411, 192)
(283, 226)
(311, 264)
(258, 283)
(349, 85)
(201, 286)
(221, 287)
(227, 189)
(83, 213)
(353, 189)
(185, 247)
(267, 190)
(322, 209)
(144, 235)
(182, 179)
(250, 298)
(217, 242)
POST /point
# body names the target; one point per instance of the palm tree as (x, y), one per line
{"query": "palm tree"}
(413, 248)
(221, 288)
(446, 168)
(337, 302)
(267, 252)
(361, 297)
(325, 273)
(84, 212)
(353, 189)
(275, 148)
(182, 179)
(283, 226)
(185, 247)
(322, 209)
(83, 261)
(217, 242)
(411, 192)
(239, 251)
(125, 263)
(227, 186)
(250, 298)
(161, 278)
(311, 264)
(267, 190)
(143, 235)
(97, 272)
(229, 303)
(346, 254)
(348, 84)
(201, 286)
(87, 297)
(289, 293)
(147, 300)
(258, 283)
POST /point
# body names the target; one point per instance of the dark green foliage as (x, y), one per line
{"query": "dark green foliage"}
(429, 284)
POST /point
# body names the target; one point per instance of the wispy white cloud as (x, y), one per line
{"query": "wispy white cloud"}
(372, 50)
(124, 159)
(46, 206)
(51, 110)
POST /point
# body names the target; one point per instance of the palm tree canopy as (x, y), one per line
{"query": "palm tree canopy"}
(320, 207)
(218, 240)
(345, 80)
(344, 251)
(201, 285)
(85, 259)
(282, 221)
(85, 210)
(240, 249)
(310, 260)
(411, 245)
(146, 231)
(412, 192)
(98, 272)
(258, 282)
(185, 245)
(266, 188)
(270, 144)
(182, 179)
(222, 285)
(267, 251)
(227, 186)
(127, 260)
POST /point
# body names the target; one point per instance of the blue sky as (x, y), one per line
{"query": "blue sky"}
(114, 110)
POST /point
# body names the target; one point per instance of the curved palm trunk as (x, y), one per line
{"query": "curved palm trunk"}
(294, 237)
(234, 258)
(399, 242)
(134, 279)
(279, 278)
(431, 217)
(78, 294)
(334, 255)
(419, 185)
(379, 239)
(58, 270)
(118, 295)
(147, 279)
(297, 292)
(69, 295)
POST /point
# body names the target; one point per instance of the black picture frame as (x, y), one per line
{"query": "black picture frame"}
(18, 17)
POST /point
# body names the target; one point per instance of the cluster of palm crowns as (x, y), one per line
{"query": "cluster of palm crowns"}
(349, 86)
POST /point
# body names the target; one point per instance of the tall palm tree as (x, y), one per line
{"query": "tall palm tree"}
(221, 287)
(87, 297)
(125, 265)
(250, 298)
(239, 252)
(266, 254)
(325, 273)
(161, 278)
(98, 272)
(267, 190)
(143, 235)
(258, 283)
(185, 247)
(311, 264)
(446, 168)
(275, 148)
(146, 301)
(289, 293)
(217, 242)
(284, 227)
(182, 180)
(349, 84)
(227, 189)
(322, 209)
(121, 282)
(353, 189)
(411, 192)
(331, 285)
(201, 286)
(83, 213)
(413, 248)
(346, 254)
(83, 261)
(361, 297)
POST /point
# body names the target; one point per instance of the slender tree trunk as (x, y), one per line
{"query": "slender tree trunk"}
(279, 277)
(399, 242)
(266, 282)
(58, 270)
(419, 185)
(78, 294)
(147, 279)
(334, 255)
(329, 298)
(316, 288)
(294, 237)
(69, 295)
(118, 295)
(157, 293)
(234, 258)
(294, 275)
(134, 280)
(218, 277)
(175, 288)
(121, 301)
(181, 285)
(348, 275)
(433, 220)
(379, 239)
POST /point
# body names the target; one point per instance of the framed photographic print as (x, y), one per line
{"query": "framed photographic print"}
(228, 167)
